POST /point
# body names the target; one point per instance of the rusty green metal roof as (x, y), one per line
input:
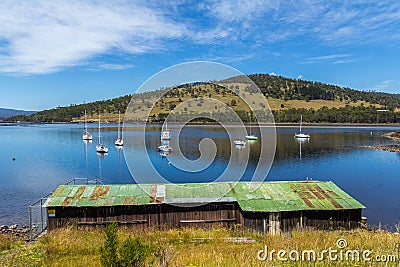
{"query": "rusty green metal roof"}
(253, 197)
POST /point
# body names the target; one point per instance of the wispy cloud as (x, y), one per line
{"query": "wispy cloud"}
(335, 23)
(334, 59)
(45, 36)
(388, 86)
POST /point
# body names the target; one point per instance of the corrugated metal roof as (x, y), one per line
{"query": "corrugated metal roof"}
(254, 197)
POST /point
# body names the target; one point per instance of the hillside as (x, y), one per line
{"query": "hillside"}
(287, 98)
(6, 112)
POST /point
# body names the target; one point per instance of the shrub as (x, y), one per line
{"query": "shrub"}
(134, 252)
(108, 253)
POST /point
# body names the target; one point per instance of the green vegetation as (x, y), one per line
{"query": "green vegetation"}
(108, 108)
(287, 98)
(132, 252)
(191, 247)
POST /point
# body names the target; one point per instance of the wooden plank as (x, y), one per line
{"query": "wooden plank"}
(207, 221)
(107, 222)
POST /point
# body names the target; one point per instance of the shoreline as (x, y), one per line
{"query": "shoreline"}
(278, 124)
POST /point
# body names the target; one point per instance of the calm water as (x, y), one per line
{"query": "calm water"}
(48, 155)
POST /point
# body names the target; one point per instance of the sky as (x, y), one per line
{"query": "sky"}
(57, 53)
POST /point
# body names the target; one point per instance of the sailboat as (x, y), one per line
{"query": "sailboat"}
(251, 136)
(165, 135)
(86, 134)
(119, 141)
(300, 134)
(239, 142)
(101, 148)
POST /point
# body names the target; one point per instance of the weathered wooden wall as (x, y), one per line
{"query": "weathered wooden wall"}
(210, 215)
(213, 214)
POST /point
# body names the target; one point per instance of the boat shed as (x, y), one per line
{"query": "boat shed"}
(272, 207)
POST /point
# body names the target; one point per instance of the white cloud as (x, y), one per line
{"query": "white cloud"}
(335, 23)
(272, 74)
(334, 59)
(45, 36)
(239, 10)
(389, 86)
(300, 77)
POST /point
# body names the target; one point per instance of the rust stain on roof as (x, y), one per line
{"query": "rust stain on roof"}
(99, 191)
(308, 202)
(153, 192)
(129, 200)
(328, 197)
(78, 195)
(232, 188)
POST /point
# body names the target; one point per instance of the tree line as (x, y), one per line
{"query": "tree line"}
(271, 86)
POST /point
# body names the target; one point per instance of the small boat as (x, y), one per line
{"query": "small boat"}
(101, 148)
(300, 134)
(86, 135)
(251, 136)
(239, 142)
(119, 141)
(165, 148)
(165, 135)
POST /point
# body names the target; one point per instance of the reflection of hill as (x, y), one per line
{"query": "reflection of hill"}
(319, 144)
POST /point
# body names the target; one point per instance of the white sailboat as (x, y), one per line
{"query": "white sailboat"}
(251, 136)
(86, 135)
(300, 134)
(165, 135)
(101, 148)
(119, 141)
(239, 142)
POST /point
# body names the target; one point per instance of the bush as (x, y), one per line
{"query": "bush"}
(108, 253)
(133, 252)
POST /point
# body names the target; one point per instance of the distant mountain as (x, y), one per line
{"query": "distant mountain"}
(6, 112)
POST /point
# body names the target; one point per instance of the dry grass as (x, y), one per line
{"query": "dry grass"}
(196, 247)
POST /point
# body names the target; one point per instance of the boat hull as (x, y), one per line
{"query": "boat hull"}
(101, 149)
(302, 136)
(251, 137)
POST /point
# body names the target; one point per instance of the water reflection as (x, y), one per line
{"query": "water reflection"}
(371, 176)
(301, 141)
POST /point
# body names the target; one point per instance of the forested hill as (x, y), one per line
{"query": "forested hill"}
(288, 98)
(75, 112)
(295, 89)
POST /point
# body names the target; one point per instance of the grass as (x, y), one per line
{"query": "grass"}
(193, 247)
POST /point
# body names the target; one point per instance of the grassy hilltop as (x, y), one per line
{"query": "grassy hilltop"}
(287, 98)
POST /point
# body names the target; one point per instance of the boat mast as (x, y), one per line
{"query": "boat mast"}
(119, 121)
(99, 131)
(85, 123)
(301, 121)
(250, 123)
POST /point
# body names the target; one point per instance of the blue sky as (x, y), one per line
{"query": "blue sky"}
(56, 53)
